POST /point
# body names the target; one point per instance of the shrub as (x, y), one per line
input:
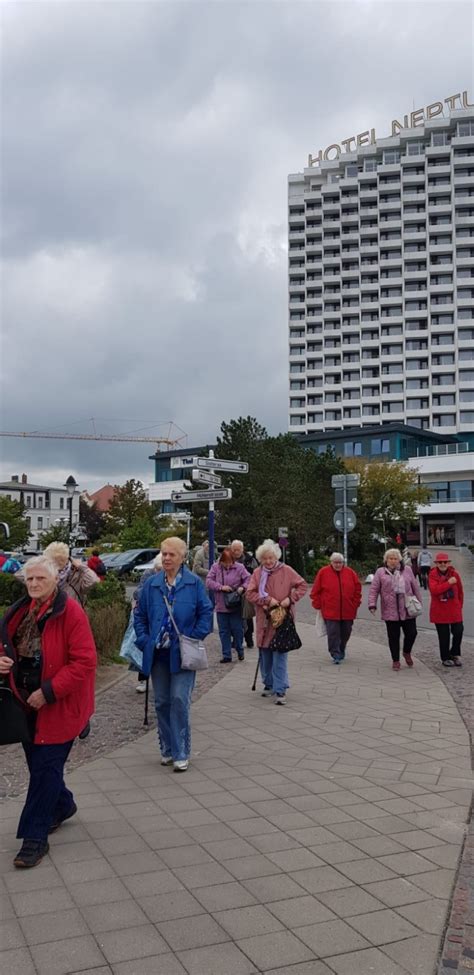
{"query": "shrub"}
(108, 622)
(108, 592)
(11, 589)
(313, 565)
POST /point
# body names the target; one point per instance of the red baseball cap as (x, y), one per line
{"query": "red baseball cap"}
(442, 557)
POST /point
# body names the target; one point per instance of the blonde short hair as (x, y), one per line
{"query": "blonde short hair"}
(392, 551)
(177, 543)
(58, 552)
(268, 546)
(41, 562)
(157, 561)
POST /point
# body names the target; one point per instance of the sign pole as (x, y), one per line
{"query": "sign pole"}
(210, 530)
(345, 520)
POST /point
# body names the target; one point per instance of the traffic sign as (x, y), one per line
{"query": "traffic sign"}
(351, 496)
(351, 480)
(219, 494)
(216, 464)
(346, 516)
(283, 541)
(204, 477)
(282, 533)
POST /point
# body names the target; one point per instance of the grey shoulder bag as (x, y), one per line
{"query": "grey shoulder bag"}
(193, 652)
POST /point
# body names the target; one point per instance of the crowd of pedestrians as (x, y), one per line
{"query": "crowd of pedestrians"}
(48, 659)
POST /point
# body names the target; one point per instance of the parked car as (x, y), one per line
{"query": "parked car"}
(125, 562)
(138, 571)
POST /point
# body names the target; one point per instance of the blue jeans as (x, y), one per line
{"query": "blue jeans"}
(231, 626)
(47, 799)
(274, 670)
(172, 704)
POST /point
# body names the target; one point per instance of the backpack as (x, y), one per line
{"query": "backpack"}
(100, 569)
(11, 566)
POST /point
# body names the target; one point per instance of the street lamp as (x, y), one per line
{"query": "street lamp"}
(70, 486)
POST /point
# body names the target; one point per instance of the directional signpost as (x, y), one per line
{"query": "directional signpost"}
(204, 469)
(346, 493)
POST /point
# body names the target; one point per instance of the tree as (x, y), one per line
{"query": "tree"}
(140, 534)
(13, 513)
(57, 533)
(92, 520)
(129, 503)
(388, 499)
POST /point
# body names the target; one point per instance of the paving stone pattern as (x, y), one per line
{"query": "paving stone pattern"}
(322, 837)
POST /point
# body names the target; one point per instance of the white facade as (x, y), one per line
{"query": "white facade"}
(449, 473)
(44, 506)
(381, 283)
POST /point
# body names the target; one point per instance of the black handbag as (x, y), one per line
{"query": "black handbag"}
(233, 600)
(14, 724)
(286, 638)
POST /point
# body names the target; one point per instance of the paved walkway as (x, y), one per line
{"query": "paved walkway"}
(314, 839)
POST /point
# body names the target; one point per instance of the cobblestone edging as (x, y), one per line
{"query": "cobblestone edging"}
(457, 953)
(118, 720)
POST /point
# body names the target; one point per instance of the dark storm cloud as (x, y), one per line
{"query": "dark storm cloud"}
(145, 149)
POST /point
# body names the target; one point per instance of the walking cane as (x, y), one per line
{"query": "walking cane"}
(254, 685)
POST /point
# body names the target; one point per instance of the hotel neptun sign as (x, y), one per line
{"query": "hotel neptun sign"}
(414, 119)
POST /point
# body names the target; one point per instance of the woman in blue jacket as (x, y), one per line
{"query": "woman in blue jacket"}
(157, 638)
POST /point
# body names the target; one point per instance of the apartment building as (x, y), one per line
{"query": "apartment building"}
(381, 282)
(44, 506)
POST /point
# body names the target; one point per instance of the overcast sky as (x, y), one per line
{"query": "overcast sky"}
(145, 153)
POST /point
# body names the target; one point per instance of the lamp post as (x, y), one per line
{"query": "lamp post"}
(70, 485)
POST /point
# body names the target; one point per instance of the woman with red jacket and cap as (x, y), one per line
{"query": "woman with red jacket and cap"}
(337, 593)
(48, 656)
(447, 597)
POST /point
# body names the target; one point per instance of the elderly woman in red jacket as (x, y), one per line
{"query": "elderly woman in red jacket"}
(337, 593)
(49, 656)
(447, 597)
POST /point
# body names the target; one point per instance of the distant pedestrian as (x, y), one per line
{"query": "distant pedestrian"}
(337, 593)
(248, 611)
(425, 563)
(273, 585)
(394, 583)
(11, 565)
(201, 561)
(228, 580)
(75, 577)
(447, 597)
(96, 564)
(173, 592)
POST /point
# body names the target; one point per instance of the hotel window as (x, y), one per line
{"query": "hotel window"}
(466, 376)
(461, 490)
(466, 416)
(466, 313)
(388, 388)
(444, 420)
(417, 384)
(380, 446)
(391, 156)
(466, 396)
(395, 407)
(440, 139)
(444, 399)
(443, 379)
(465, 128)
(443, 360)
(415, 148)
(417, 404)
(296, 384)
(40, 522)
(296, 402)
(466, 354)
(297, 421)
(370, 166)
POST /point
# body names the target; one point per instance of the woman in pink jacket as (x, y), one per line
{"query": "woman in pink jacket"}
(393, 582)
(273, 584)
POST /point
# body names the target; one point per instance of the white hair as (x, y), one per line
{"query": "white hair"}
(237, 542)
(337, 557)
(41, 562)
(268, 546)
(157, 561)
(178, 544)
(392, 551)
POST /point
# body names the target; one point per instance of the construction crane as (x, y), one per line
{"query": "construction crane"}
(104, 437)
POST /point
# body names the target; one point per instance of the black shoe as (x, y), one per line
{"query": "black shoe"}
(250, 645)
(31, 853)
(57, 824)
(241, 656)
(225, 660)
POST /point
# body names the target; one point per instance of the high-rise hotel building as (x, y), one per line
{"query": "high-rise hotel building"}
(381, 281)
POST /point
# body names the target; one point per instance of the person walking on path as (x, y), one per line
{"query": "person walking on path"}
(248, 611)
(425, 564)
(337, 594)
(50, 659)
(228, 580)
(394, 582)
(157, 638)
(272, 585)
(447, 597)
(96, 564)
(73, 576)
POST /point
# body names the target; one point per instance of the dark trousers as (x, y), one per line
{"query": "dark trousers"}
(394, 627)
(445, 631)
(47, 799)
(424, 573)
(248, 631)
(338, 632)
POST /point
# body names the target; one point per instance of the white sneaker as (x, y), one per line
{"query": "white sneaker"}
(166, 761)
(280, 699)
(180, 766)
(141, 687)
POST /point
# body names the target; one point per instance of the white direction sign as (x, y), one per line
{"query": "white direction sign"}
(216, 464)
(204, 477)
(219, 494)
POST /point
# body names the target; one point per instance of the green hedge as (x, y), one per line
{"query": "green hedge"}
(11, 589)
